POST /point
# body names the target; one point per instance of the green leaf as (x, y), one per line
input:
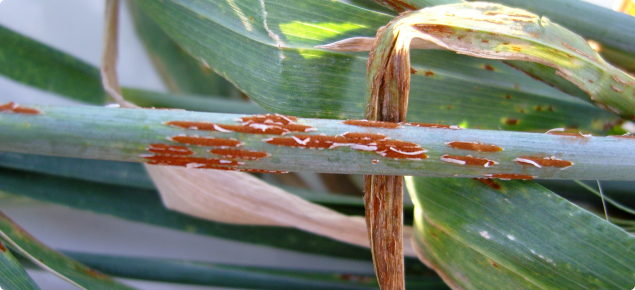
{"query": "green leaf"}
(181, 73)
(144, 205)
(53, 261)
(28, 61)
(520, 236)
(277, 64)
(12, 275)
(142, 135)
(190, 272)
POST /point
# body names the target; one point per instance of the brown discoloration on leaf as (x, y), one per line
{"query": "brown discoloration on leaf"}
(375, 124)
(170, 150)
(509, 176)
(90, 272)
(397, 5)
(251, 128)
(489, 182)
(262, 171)
(276, 119)
(488, 67)
(190, 162)
(239, 154)
(400, 150)
(509, 97)
(468, 160)
(620, 81)
(434, 29)
(540, 162)
(510, 13)
(206, 141)
(576, 50)
(616, 89)
(431, 125)
(512, 121)
(2, 248)
(429, 73)
(561, 132)
(17, 109)
(474, 146)
(307, 141)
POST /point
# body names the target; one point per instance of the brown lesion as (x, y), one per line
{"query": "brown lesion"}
(434, 29)
(468, 160)
(18, 109)
(205, 141)
(374, 124)
(276, 119)
(231, 153)
(190, 162)
(262, 171)
(509, 176)
(474, 146)
(431, 125)
(170, 149)
(546, 161)
(251, 128)
(489, 182)
(2, 248)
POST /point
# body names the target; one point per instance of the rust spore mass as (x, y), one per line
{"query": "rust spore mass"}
(263, 171)
(505, 176)
(474, 146)
(190, 162)
(239, 154)
(429, 73)
(489, 182)
(431, 125)
(488, 67)
(17, 109)
(377, 143)
(468, 160)
(512, 122)
(375, 124)
(546, 162)
(2, 248)
(170, 150)
(206, 141)
(566, 134)
(269, 119)
(250, 128)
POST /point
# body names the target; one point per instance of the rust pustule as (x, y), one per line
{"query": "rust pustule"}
(307, 141)
(17, 109)
(400, 150)
(540, 162)
(205, 141)
(468, 160)
(431, 125)
(375, 124)
(489, 182)
(434, 29)
(616, 89)
(509, 176)
(251, 128)
(170, 150)
(509, 97)
(2, 248)
(510, 14)
(560, 132)
(474, 146)
(429, 73)
(262, 171)
(512, 121)
(190, 162)
(488, 67)
(620, 81)
(276, 119)
(239, 154)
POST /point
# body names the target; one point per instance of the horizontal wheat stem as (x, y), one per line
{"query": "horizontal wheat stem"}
(128, 135)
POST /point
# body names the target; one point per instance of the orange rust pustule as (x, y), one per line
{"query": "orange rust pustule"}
(269, 119)
(488, 67)
(400, 150)
(510, 176)
(308, 141)
(512, 122)
(239, 154)
(469, 160)
(206, 141)
(429, 73)
(547, 162)
(489, 182)
(263, 171)
(17, 109)
(428, 125)
(363, 138)
(375, 124)
(568, 134)
(170, 149)
(474, 146)
(196, 162)
(2, 248)
(252, 128)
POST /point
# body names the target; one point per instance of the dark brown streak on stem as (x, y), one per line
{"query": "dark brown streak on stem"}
(389, 82)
